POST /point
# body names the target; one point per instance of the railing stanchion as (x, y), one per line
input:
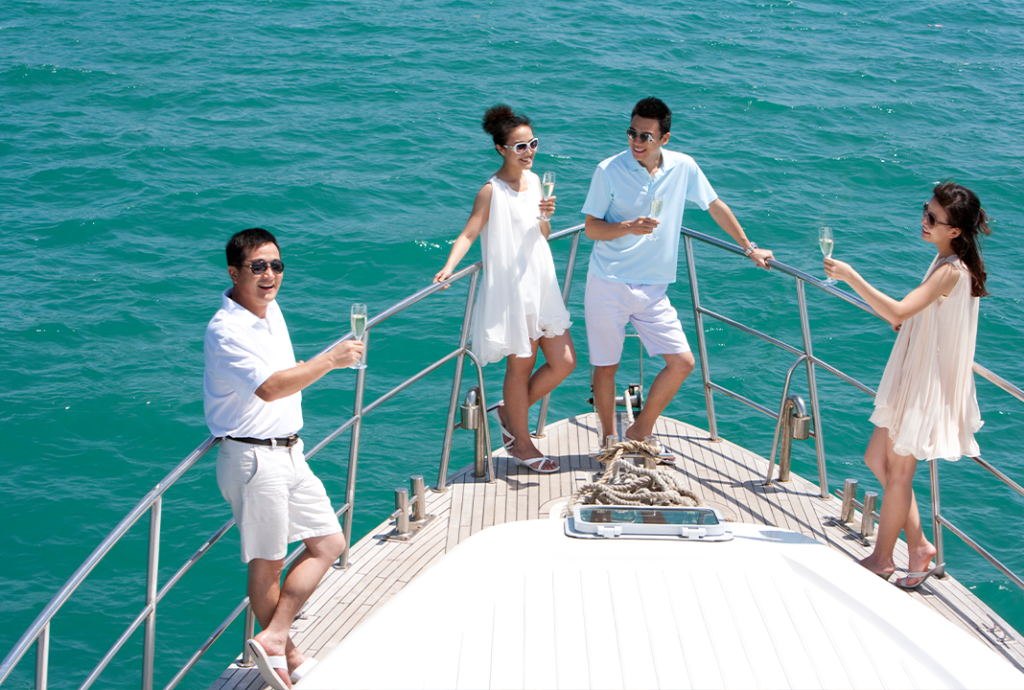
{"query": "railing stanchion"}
(248, 632)
(812, 386)
(43, 657)
(702, 347)
(453, 403)
(149, 639)
(542, 416)
(940, 552)
(353, 455)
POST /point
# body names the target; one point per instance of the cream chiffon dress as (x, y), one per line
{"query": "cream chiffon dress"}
(519, 299)
(926, 397)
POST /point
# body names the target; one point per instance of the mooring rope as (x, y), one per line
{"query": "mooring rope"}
(623, 483)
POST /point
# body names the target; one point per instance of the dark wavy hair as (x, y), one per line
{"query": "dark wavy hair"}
(500, 120)
(654, 109)
(966, 214)
(241, 243)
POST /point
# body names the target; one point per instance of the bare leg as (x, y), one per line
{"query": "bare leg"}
(896, 474)
(604, 398)
(666, 385)
(524, 386)
(275, 606)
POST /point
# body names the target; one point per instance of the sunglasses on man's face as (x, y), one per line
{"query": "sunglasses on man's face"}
(645, 137)
(259, 266)
(522, 146)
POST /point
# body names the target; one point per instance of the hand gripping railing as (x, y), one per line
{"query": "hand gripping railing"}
(39, 632)
(806, 356)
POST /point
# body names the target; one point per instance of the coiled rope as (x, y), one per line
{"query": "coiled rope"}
(625, 484)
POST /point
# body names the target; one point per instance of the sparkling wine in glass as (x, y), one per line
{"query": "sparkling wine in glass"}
(656, 203)
(548, 187)
(359, 328)
(825, 242)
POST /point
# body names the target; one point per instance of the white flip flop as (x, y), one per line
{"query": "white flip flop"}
(266, 664)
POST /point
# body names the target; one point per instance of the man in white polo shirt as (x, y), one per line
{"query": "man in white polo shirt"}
(635, 256)
(253, 401)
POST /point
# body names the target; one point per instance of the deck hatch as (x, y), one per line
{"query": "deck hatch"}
(653, 522)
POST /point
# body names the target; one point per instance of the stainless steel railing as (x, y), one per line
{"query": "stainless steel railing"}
(806, 356)
(39, 632)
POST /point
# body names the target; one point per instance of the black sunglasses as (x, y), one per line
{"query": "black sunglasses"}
(645, 137)
(259, 266)
(929, 218)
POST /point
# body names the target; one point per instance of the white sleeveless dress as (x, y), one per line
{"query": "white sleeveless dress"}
(926, 397)
(519, 299)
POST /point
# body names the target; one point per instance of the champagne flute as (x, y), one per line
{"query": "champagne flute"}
(359, 328)
(656, 203)
(825, 242)
(548, 186)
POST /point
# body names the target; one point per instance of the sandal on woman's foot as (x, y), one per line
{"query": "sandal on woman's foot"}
(504, 432)
(920, 577)
(535, 464)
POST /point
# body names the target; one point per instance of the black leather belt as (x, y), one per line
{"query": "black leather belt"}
(286, 442)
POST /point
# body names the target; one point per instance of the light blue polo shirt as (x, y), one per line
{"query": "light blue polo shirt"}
(622, 189)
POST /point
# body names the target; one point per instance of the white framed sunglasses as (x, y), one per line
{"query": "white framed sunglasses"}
(522, 146)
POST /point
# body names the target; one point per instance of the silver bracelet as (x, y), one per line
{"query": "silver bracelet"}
(750, 250)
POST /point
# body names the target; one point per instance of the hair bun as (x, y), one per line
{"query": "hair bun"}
(500, 120)
(495, 117)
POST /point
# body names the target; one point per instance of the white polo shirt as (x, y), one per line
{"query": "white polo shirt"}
(621, 190)
(241, 351)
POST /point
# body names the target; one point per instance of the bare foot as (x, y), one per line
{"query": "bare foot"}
(529, 453)
(878, 568)
(276, 647)
(919, 562)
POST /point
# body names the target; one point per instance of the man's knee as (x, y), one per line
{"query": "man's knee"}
(329, 546)
(680, 366)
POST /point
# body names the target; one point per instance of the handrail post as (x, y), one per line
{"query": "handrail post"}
(453, 403)
(542, 416)
(702, 348)
(940, 552)
(812, 386)
(353, 455)
(43, 657)
(248, 632)
(149, 640)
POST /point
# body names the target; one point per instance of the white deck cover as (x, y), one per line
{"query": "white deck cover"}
(520, 605)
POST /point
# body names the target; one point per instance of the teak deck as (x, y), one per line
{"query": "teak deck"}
(725, 475)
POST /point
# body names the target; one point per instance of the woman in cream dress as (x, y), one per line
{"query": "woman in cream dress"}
(925, 407)
(519, 307)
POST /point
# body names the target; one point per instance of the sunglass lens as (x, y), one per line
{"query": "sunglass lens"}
(258, 267)
(277, 266)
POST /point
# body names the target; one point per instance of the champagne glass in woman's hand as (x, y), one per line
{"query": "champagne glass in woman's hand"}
(548, 186)
(358, 328)
(825, 242)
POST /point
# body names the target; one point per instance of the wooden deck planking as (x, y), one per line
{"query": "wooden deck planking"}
(722, 473)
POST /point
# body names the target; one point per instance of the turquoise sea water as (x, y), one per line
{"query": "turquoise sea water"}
(136, 137)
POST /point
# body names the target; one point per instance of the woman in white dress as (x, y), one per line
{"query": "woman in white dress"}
(519, 307)
(925, 407)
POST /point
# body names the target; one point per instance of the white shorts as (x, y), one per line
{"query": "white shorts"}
(609, 305)
(274, 496)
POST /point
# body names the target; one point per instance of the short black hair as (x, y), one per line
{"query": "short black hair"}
(241, 243)
(654, 109)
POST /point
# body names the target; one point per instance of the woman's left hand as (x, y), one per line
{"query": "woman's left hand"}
(838, 270)
(547, 206)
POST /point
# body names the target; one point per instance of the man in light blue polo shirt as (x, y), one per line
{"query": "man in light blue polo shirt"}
(635, 257)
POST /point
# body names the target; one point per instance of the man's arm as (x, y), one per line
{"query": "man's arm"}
(600, 229)
(287, 382)
(723, 215)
